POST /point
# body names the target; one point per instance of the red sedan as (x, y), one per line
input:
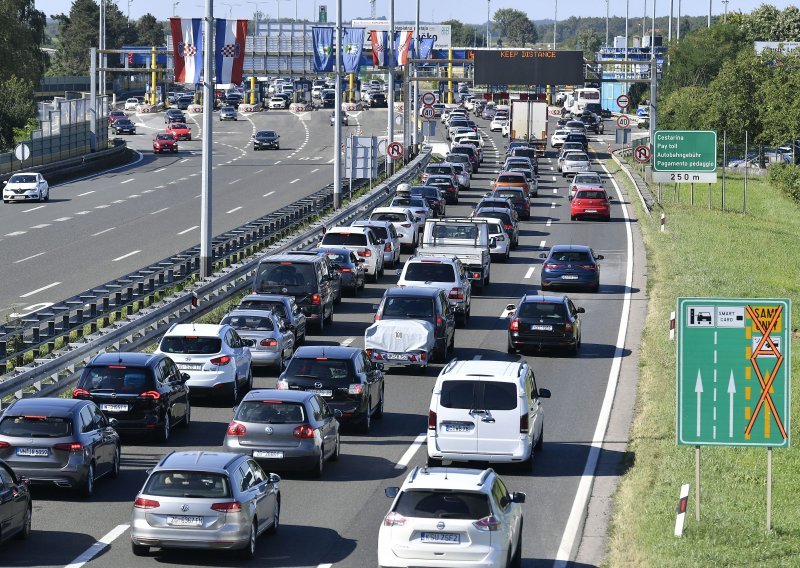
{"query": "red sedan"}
(116, 115)
(164, 142)
(179, 130)
(590, 203)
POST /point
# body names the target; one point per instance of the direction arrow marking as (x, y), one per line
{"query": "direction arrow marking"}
(698, 388)
(731, 392)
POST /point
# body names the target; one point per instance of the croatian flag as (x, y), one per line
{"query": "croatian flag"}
(378, 47)
(187, 49)
(229, 50)
(403, 40)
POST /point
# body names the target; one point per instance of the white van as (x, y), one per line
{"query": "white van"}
(486, 411)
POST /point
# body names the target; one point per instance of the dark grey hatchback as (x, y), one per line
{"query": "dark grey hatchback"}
(59, 441)
(544, 321)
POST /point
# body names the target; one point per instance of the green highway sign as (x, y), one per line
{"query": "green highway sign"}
(685, 156)
(733, 372)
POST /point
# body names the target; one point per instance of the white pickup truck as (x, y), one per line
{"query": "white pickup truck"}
(466, 239)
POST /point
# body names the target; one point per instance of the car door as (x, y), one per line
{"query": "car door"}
(264, 492)
(576, 321)
(498, 424)
(240, 352)
(176, 388)
(323, 423)
(456, 415)
(373, 376)
(535, 409)
(449, 315)
(509, 513)
(108, 441)
(91, 437)
(12, 505)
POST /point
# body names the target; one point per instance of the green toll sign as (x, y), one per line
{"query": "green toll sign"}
(685, 156)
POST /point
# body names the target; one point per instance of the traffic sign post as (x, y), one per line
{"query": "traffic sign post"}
(623, 101)
(428, 98)
(428, 112)
(685, 156)
(623, 121)
(642, 154)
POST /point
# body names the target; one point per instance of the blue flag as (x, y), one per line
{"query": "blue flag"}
(426, 47)
(323, 48)
(352, 46)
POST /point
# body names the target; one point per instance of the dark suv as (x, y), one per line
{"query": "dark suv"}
(145, 393)
(576, 137)
(343, 376)
(284, 307)
(336, 277)
(544, 321)
(306, 278)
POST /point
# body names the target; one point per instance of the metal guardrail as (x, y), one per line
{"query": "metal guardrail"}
(236, 254)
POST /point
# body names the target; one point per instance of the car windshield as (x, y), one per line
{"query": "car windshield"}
(511, 178)
(321, 368)
(575, 157)
(22, 178)
(117, 378)
(587, 178)
(265, 134)
(271, 412)
(191, 345)
(278, 307)
(590, 195)
(286, 273)
(345, 239)
(248, 322)
(570, 256)
(408, 307)
(426, 192)
(541, 310)
(445, 170)
(35, 426)
(508, 194)
(165, 137)
(430, 272)
(432, 504)
(462, 231)
(177, 126)
(187, 484)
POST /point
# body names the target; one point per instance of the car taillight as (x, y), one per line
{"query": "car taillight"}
(345, 270)
(77, 393)
(69, 446)
(236, 429)
(155, 395)
(456, 294)
(303, 432)
(490, 523)
(365, 252)
(4, 445)
(315, 299)
(551, 266)
(431, 420)
(508, 227)
(282, 385)
(587, 266)
(394, 520)
(386, 248)
(220, 361)
(142, 503)
(568, 326)
(523, 424)
(227, 507)
(406, 225)
(268, 343)
(476, 274)
(356, 388)
(514, 325)
(439, 321)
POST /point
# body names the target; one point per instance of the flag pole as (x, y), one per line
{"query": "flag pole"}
(337, 112)
(206, 252)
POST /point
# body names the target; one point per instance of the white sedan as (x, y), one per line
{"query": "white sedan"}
(404, 221)
(26, 186)
(497, 124)
(131, 103)
(277, 103)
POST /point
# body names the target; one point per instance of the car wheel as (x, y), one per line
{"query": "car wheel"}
(235, 391)
(572, 350)
(540, 442)
(433, 462)
(338, 298)
(139, 549)
(277, 146)
(330, 316)
(276, 518)
(596, 287)
(337, 449)
(249, 551)
(379, 409)
(88, 484)
(280, 366)
(163, 435)
(26, 524)
(187, 416)
(366, 423)
(115, 463)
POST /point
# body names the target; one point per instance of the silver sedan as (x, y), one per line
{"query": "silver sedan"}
(273, 340)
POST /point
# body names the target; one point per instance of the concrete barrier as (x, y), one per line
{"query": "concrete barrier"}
(195, 109)
(300, 107)
(248, 108)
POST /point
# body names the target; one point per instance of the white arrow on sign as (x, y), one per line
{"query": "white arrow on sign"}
(731, 392)
(698, 388)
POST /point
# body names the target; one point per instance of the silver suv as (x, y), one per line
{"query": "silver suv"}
(442, 271)
(205, 500)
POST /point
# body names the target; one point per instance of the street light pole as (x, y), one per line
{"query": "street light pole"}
(206, 252)
(392, 60)
(488, 20)
(129, 10)
(174, 4)
(337, 112)
(555, 21)
(255, 30)
(607, 9)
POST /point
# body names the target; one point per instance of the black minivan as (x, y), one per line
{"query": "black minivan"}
(305, 278)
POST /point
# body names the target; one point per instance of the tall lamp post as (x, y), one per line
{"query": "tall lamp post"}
(555, 21)
(488, 20)
(253, 54)
(206, 251)
(174, 4)
(607, 8)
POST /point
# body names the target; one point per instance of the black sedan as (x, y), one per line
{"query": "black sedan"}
(15, 505)
(123, 126)
(571, 266)
(544, 321)
(266, 139)
(174, 115)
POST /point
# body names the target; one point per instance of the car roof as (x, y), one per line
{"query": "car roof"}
(289, 257)
(268, 297)
(123, 358)
(205, 329)
(275, 394)
(483, 368)
(247, 312)
(198, 461)
(372, 223)
(416, 291)
(47, 406)
(349, 229)
(443, 259)
(540, 299)
(329, 351)
(570, 248)
(452, 479)
(390, 209)
(323, 249)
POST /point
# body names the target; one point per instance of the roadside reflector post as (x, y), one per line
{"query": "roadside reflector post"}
(682, 504)
(697, 483)
(671, 326)
(769, 489)
(663, 222)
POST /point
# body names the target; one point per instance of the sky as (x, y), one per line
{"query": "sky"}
(467, 11)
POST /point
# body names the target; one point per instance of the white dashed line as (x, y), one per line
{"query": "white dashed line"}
(541, 244)
(32, 292)
(118, 201)
(82, 212)
(126, 181)
(41, 226)
(124, 256)
(234, 210)
(555, 190)
(159, 170)
(184, 160)
(28, 257)
(549, 222)
(33, 209)
(16, 233)
(530, 272)
(98, 547)
(101, 206)
(553, 205)
(103, 231)
(151, 190)
(268, 194)
(61, 219)
(85, 193)
(159, 211)
(295, 180)
(234, 181)
(190, 229)
(133, 196)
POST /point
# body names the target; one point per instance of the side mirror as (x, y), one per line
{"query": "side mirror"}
(380, 366)
(375, 307)
(510, 307)
(599, 257)
(518, 497)
(249, 342)
(337, 413)
(113, 422)
(24, 480)
(273, 478)
(391, 492)
(544, 393)
(569, 197)
(542, 255)
(185, 377)
(580, 310)
(398, 272)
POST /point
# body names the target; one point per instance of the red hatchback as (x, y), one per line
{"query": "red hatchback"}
(590, 203)
(164, 142)
(180, 130)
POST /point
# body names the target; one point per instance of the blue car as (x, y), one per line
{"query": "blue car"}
(573, 266)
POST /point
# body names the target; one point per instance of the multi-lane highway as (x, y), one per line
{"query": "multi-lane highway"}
(335, 520)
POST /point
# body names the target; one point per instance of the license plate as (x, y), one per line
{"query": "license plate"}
(536, 327)
(321, 392)
(397, 356)
(441, 538)
(184, 521)
(457, 428)
(114, 407)
(591, 210)
(33, 452)
(569, 277)
(267, 454)
(190, 366)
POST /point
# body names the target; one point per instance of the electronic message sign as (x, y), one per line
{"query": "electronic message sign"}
(528, 67)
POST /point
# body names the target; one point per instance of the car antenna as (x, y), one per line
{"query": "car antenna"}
(445, 473)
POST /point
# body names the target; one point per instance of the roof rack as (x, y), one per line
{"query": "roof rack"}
(486, 473)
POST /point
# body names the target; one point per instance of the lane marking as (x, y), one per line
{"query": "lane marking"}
(40, 226)
(188, 230)
(295, 180)
(314, 170)
(159, 211)
(103, 231)
(184, 160)
(268, 194)
(234, 181)
(278, 162)
(530, 272)
(84, 193)
(159, 170)
(82, 212)
(118, 201)
(553, 205)
(555, 190)
(549, 222)
(126, 181)
(61, 219)
(101, 206)
(412, 449)
(152, 190)
(133, 196)
(124, 256)
(16, 233)
(28, 257)
(234, 209)
(43, 288)
(98, 546)
(541, 244)
(259, 171)
(348, 341)
(574, 522)
(33, 209)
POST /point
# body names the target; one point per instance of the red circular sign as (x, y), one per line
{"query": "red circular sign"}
(395, 150)
(642, 154)
(623, 101)
(428, 98)
(428, 112)
(623, 121)
(555, 112)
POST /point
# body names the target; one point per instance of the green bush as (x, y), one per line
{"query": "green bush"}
(786, 177)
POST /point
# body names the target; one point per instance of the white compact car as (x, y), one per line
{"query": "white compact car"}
(453, 518)
(131, 103)
(277, 103)
(444, 272)
(501, 249)
(26, 186)
(486, 411)
(497, 124)
(363, 242)
(558, 138)
(404, 221)
(216, 359)
(391, 241)
(505, 130)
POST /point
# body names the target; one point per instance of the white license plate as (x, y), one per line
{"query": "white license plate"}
(441, 538)
(33, 452)
(535, 327)
(190, 366)
(321, 392)
(185, 521)
(267, 454)
(114, 407)
(569, 277)
(457, 428)
(397, 356)
(591, 210)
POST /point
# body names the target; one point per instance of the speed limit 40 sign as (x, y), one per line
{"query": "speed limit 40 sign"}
(623, 121)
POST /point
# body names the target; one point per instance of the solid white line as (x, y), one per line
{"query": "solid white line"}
(126, 181)
(574, 522)
(268, 194)
(159, 211)
(549, 222)
(188, 230)
(28, 257)
(234, 209)
(412, 449)
(530, 272)
(33, 209)
(295, 180)
(103, 231)
(98, 547)
(126, 255)
(84, 193)
(32, 292)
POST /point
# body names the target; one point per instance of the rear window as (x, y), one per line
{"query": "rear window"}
(338, 258)
(286, 273)
(321, 368)
(345, 239)
(430, 504)
(197, 484)
(430, 272)
(504, 217)
(458, 394)
(271, 412)
(542, 310)
(277, 307)
(249, 322)
(118, 378)
(427, 192)
(467, 150)
(380, 232)
(510, 178)
(191, 345)
(507, 194)
(457, 158)
(441, 231)
(570, 256)
(590, 195)
(438, 170)
(391, 217)
(35, 426)
(499, 396)
(575, 157)
(408, 307)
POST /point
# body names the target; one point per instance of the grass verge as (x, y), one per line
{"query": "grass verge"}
(707, 252)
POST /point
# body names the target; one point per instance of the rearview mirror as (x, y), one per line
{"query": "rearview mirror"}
(375, 307)
(518, 497)
(185, 377)
(542, 255)
(544, 393)
(398, 272)
(580, 310)
(249, 342)
(273, 478)
(599, 257)
(337, 413)
(113, 422)
(492, 242)
(391, 492)
(511, 307)
(569, 197)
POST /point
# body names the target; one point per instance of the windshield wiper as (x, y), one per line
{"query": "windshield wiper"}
(307, 376)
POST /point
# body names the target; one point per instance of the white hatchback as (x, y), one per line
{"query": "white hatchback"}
(363, 242)
(131, 103)
(404, 221)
